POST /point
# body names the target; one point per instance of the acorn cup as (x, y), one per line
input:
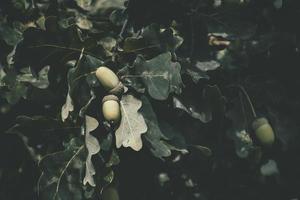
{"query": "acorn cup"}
(263, 131)
(111, 109)
(109, 80)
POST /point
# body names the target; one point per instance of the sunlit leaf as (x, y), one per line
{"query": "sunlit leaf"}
(208, 65)
(67, 108)
(41, 81)
(93, 148)
(201, 112)
(270, 168)
(132, 124)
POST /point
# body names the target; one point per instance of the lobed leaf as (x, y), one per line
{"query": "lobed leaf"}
(160, 75)
(93, 148)
(154, 136)
(60, 178)
(132, 124)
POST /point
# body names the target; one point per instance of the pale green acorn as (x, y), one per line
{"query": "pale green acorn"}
(263, 131)
(111, 108)
(107, 78)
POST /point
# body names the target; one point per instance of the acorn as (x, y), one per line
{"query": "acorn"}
(111, 108)
(263, 131)
(109, 79)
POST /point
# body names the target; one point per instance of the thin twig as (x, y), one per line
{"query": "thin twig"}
(60, 129)
(243, 109)
(64, 48)
(83, 75)
(143, 48)
(243, 91)
(64, 170)
(123, 29)
(248, 99)
(38, 184)
(144, 75)
(192, 36)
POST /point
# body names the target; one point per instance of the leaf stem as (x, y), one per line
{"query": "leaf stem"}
(243, 109)
(83, 75)
(60, 129)
(123, 29)
(243, 91)
(63, 48)
(144, 75)
(38, 184)
(143, 48)
(64, 170)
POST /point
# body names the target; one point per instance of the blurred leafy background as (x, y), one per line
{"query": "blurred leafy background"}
(198, 145)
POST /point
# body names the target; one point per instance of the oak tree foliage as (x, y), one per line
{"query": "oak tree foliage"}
(195, 75)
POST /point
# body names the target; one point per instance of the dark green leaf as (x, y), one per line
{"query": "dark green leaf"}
(153, 41)
(160, 75)
(113, 160)
(15, 93)
(77, 84)
(197, 75)
(117, 17)
(154, 136)
(40, 82)
(10, 35)
(40, 130)
(106, 143)
(176, 141)
(198, 110)
(53, 47)
(60, 178)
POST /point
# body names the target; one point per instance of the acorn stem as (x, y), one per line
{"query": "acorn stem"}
(243, 91)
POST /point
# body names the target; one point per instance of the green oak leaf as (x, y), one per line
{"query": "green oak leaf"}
(176, 141)
(160, 75)
(154, 137)
(54, 46)
(60, 178)
(16, 92)
(41, 81)
(153, 41)
(10, 35)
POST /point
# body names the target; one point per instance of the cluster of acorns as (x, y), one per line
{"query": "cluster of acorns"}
(111, 107)
(110, 103)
